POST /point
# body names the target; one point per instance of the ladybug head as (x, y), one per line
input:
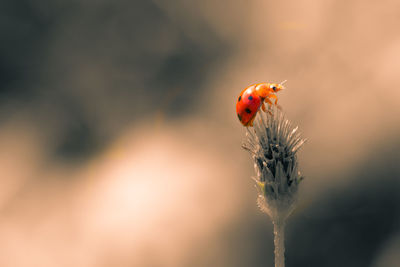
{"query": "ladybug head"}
(277, 87)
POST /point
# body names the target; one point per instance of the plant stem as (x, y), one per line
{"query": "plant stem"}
(279, 242)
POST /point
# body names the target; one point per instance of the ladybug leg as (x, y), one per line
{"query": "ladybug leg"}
(251, 122)
(268, 101)
(276, 99)
(263, 106)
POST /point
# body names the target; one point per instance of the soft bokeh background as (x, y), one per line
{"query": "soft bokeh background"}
(120, 146)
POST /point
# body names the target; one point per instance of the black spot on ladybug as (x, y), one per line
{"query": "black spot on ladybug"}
(248, 110)
(240, 98)
(240, 117)
(251, 97)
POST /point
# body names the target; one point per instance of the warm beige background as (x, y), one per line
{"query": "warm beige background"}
(172, 187)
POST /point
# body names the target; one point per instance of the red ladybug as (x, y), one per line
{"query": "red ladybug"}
(252, 98)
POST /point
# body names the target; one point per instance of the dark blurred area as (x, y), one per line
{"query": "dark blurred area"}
(120, 145)
(352, 224)
(91, 67)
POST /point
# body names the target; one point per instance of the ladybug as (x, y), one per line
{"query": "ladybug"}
(252, 98)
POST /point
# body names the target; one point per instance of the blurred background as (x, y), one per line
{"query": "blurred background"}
(120, 146)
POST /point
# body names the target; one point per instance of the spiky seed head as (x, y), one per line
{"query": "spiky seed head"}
(273, 143)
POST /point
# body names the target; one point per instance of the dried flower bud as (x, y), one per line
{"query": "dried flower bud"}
(273, 143)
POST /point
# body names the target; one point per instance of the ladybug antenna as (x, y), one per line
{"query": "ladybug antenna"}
(281, 84)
